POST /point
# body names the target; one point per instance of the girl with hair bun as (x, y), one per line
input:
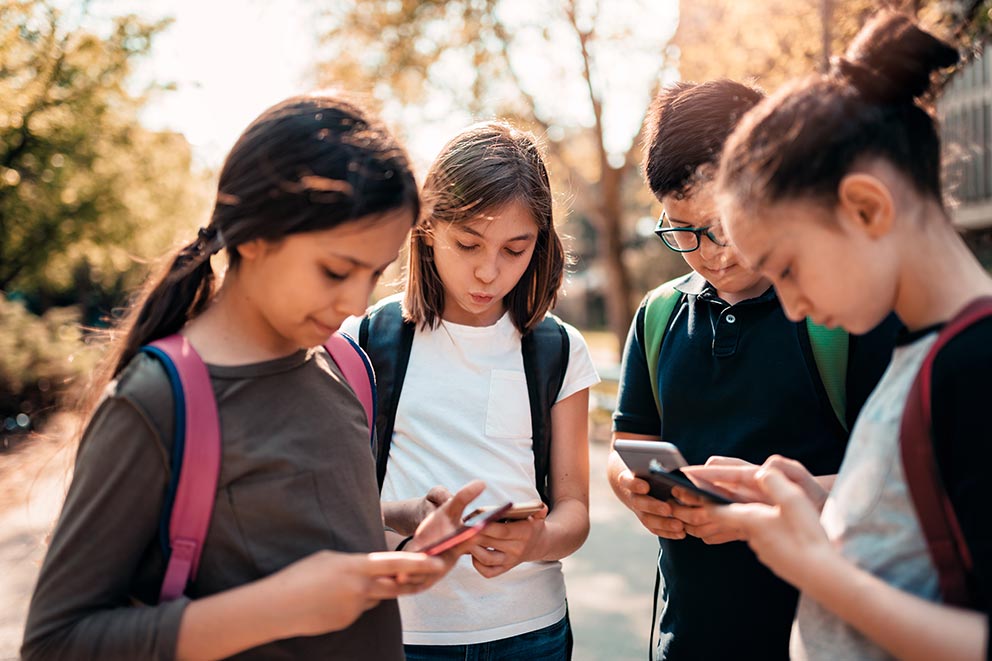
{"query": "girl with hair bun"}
(831, 189)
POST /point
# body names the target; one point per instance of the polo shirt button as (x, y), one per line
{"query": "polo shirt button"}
(731, 318)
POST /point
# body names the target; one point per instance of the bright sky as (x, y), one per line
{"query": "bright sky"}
(231, 59)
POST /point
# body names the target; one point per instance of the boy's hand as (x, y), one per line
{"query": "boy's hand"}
(503, 546)
(655, 515)
(698, 520)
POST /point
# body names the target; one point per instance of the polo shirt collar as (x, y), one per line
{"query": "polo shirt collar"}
(694, 284)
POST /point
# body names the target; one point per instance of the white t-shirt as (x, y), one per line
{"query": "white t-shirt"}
(869, 516)
(464, 414)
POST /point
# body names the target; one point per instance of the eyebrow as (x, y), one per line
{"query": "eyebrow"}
(469, 230)
(709, 223)
(356, 262)
(761, 262)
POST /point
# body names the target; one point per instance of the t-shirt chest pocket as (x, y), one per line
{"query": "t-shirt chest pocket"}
(508, 410)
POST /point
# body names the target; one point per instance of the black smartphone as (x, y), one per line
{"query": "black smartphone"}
(658, 464)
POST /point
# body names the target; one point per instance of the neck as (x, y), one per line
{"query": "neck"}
(753, 291)
(232, 332)
(939, 275)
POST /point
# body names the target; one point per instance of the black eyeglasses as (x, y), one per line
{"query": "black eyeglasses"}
(686, 239)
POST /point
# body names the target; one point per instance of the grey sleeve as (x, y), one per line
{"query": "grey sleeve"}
(82, 606)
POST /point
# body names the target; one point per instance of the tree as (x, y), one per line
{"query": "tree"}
(548, 65)
(80, 179)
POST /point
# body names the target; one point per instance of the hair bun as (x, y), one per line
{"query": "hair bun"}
(891, 59)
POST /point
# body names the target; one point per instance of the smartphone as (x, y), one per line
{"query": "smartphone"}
(518, 512)
(470, 528)
(658, 464)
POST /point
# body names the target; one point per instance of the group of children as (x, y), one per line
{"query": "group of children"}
(816, 208)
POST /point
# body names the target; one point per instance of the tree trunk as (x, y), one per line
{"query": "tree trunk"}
(610, 238)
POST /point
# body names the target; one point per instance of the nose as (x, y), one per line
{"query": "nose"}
(796, 307)
(354, 296)
(487, 269)
(707, 249)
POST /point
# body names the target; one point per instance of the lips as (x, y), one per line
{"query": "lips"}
(482, 299)
(324, 328)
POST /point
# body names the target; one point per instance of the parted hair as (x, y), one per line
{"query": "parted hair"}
(480, 171)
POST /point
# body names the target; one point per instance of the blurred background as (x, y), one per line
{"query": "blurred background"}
(115, 116)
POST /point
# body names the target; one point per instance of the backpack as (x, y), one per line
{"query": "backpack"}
(829, 345)
(196, 448)
(388, 338)
(940, 527)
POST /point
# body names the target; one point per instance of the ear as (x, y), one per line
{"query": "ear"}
(867, 203)
(250, 250)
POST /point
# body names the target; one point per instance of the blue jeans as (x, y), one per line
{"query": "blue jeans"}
(553, 643)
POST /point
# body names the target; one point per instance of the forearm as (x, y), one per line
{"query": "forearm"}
(565, 530)
(229, 622)
(907, 626)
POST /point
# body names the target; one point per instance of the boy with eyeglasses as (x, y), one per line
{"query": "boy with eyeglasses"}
(734, 378)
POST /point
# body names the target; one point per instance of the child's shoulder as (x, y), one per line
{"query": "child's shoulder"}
(145, 384)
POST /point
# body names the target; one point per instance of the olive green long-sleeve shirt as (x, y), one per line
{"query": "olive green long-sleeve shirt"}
(297, 476)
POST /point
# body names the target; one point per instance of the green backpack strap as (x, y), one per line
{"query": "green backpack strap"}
(658, 308)
(830, 350)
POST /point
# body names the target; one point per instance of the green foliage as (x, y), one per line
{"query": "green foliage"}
(40, 358)
(80, 179)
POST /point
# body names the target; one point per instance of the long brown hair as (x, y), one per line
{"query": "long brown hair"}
(309, 163)
(482, 169)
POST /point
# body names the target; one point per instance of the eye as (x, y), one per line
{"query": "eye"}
(786, 273)
(462, 246)
(337, 277)
(515, 253)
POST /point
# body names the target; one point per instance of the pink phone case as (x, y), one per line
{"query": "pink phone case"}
(466, 532)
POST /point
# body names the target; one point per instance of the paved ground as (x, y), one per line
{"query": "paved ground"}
(609, 580)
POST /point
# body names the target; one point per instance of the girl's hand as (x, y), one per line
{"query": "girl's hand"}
(446, 519)
(503, 546)
(738, 478)
(328, 591)
(655, 515)
(783, 529)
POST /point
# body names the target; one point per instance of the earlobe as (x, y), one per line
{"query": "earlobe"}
(249, 250)
(867, 202)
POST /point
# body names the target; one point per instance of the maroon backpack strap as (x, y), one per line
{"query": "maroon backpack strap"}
(938, 522)
(200, 468)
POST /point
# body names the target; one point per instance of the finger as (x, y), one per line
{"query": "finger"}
(686, 497)
(664, 526)
(650, 505)
(717, 460)
(636, 485)
(460, 500)
(438, 495)
(692, 515)
(735, 474)
(792, 499)
(487, 557)
(392, 563)
(537, 516)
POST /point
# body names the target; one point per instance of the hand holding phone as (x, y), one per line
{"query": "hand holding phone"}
(658, 463)
(471, 527)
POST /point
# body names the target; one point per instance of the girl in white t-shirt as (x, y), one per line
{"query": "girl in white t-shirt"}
(485, 266)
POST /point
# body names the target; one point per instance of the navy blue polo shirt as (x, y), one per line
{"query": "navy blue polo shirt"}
(737, 380)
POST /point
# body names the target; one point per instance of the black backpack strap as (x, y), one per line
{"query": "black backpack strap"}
(387, 340)
(545, 352)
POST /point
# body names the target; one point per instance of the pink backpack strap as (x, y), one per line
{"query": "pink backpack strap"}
(197, 484)
(947, 545)
(357, 370)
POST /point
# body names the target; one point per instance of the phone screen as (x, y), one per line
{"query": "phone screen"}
(469, 529)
